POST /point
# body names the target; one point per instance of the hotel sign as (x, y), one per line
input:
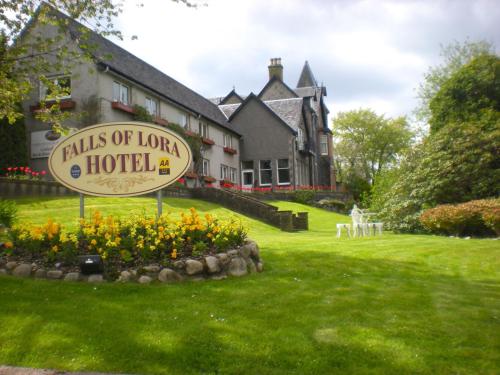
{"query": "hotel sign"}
(120, 159)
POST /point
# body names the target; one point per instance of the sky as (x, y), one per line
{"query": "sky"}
(368, 54)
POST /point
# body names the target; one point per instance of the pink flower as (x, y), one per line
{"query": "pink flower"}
(21, 169)
(43, 173)
(14, 169)
(9, 169)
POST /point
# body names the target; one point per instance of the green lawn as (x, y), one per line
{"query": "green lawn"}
(396, 304)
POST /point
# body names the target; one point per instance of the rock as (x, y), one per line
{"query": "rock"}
(260, 267)
(3, 272)
(237, 267)
(254, 249)
(169, 276)
(54, 274)
(95, 278)
(245, 251)
(193, 267)
(10, 266)
(23, 270)
(72, 276)
(151, 269)
(233, 253)
(58, 265)
(218, 277)
(212, 264)
(179, 264)
(40, 273)
(125, 276)
(251, 266)
(223, 259)
(144, 279)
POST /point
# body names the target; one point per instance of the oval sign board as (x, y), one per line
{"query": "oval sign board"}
(120, 159)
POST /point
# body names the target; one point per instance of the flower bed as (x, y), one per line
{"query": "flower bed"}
(134, 247)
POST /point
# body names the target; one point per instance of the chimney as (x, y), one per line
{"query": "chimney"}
(275, 68)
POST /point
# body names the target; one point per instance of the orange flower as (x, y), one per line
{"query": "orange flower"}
(8, 245)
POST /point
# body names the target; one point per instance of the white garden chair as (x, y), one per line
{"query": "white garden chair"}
(347, 227)
(357, 221)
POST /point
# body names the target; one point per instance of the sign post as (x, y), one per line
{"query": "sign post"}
(159, 203)
(82, 212)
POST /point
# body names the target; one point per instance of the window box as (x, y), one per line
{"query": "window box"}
(63, 105)
(122, 107)
(190, 133)
(207, 141)
(226, 183)
(229, 150)
(160, 121)
(191, 175)
(209, 179)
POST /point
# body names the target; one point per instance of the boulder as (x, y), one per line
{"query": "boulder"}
(245, 251)
(218, 277)
(54, 274)
(151, 269)
(167, 275)
(72, 276)
(254, 249)
(223, 259)
(125, 276)
(233, 253)
(144, 279)
(10, 266)
(179, 264)
(251, 266)
(260, 267)
(193, 267)
(212, 263)
(96, 278)
(23, 270)
(237, 267)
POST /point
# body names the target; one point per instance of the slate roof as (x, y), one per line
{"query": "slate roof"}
(135, 69)
(305, 92)
(307, 77)
(288, 110)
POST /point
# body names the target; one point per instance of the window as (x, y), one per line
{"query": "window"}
(120, 92)
(248, 164)
(203, 129)
(56, 88)
(300, 139)
(323, 144)
(183, 121)
(283, 172)
(265, 173)
(152, 107)
(224, 172)
(205, 167)
(228, 141)
(232, 174)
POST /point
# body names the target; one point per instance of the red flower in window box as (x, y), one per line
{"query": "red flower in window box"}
(63, 105)
(190, 133)
(209, 179)
(122, 107)
(191, 175)
(207, 141)
(229, 150)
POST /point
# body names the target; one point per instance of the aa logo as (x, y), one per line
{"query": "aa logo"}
(164, 168)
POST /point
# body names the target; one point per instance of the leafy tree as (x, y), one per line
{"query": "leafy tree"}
(455, 55)
(13, 144)
(24, 56)
(367, 144)
(471, 92)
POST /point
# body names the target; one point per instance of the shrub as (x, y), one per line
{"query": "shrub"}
(8, 211)
(331, 204)
(136, 240)
(479, 217)
(303, 196)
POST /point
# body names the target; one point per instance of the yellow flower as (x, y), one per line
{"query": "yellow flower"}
(55, 249)
(174, 253)
(93, 242)
(8, 245)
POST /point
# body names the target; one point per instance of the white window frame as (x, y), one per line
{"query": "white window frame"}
(323, 143)
(205, 167)
(278, 172)
(224, 172)
(300, 139)
(232, 174)
(123, 93)
(228, 140)
(260, 172)
(203, 129)
(55, 80)
(152, 106)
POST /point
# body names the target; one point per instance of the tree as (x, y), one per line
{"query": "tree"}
(367, 144)
(471, 92)
(455, 55)
(23, 57)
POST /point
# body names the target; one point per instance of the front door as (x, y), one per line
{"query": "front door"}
(247, 178)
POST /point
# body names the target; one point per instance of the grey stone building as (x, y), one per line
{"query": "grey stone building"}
(285, 141)
(107, 87)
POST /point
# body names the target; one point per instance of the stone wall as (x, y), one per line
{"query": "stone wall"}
(251, 206)
(236, 262)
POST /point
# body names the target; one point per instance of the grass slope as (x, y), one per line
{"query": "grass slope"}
(395, 304)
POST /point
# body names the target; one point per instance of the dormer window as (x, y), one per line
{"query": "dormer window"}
(120, 92)
(55, 88)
